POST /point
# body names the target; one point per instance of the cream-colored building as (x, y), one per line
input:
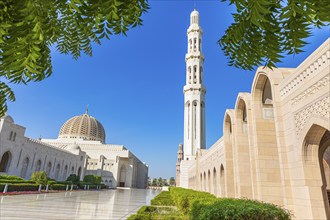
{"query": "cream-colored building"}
(275, 143)
(79, 149)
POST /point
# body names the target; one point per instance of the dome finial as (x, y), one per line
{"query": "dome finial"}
(195, 6)
(86, 110)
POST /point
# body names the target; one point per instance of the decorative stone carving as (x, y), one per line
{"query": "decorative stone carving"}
(320, 107)
(319, 64)
(311, 90)
(268, 113)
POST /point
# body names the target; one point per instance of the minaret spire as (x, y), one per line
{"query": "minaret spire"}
(86, 110)
(194, 91)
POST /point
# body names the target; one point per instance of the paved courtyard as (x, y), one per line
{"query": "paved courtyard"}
(105, 204)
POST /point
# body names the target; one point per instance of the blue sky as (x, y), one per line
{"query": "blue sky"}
(133, 84)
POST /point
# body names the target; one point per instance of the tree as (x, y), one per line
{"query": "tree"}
(160, 182)
(29, 28)
(154, 182)
(264, 30)
(172, 181)
(40, 177)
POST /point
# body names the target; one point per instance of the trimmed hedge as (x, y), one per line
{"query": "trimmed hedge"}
(10, 177)
(12, 187)
(153, 212)
(163, 199)
(238, 209)
(59, 187)
(184, 198)
(16, 181)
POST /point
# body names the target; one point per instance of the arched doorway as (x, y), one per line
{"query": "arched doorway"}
(222, 181)
(265, 142)
(5, 162)
(122, 178)
(25, 167)
(209, 181)
(215, 181)
(79, 172)
(316, 157)
(204, 181)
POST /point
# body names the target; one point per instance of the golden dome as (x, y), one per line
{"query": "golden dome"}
(83, 126)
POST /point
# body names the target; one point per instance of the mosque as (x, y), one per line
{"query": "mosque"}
(276, 141)
(79, 149)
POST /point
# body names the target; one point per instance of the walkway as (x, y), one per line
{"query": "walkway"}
(105, 204)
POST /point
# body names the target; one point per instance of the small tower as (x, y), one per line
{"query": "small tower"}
(180, 158)
(194, 91)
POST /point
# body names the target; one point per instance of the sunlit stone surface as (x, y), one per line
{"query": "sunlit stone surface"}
(105, 204)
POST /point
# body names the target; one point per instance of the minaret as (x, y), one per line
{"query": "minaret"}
(194, 91)
(180, 158)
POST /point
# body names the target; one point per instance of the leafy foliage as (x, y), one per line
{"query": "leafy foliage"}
(244, 209)
(29, 28)
(172, 181)
(40, 177)
(10, 177)
(93, 179)
(20, 187)
(184, 198)
(73, 178)
(263, 30)
(163, 199)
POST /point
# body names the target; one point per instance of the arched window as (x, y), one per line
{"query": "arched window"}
(48, 168)
(190, 44)
(244, 115)
(189, 73)
(38, 165)
(267, 98)
(57, 171)
(72, 170)
(195, 74)
(201, 74)
(5, 162)
(25, 167)
(195, 44)
(11, 135)
(65, 172)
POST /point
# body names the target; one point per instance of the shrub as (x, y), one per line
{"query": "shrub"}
(40, 177)
(183, 198)
(10, 177)
(58, 187)
(64, 182)
(240, 209)
(164, 198)
(73, 178)
(20, 187)
(93, 179)
(16, 181)
(154, 212)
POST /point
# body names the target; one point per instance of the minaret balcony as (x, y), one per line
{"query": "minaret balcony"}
(194, 87)
(195, 55)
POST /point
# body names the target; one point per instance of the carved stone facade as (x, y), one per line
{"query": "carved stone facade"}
(276, 142)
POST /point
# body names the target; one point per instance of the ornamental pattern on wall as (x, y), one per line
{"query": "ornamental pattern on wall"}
(320, 107)
(311, 90)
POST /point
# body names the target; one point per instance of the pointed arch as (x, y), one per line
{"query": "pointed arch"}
(24, 168)
(5, 161)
